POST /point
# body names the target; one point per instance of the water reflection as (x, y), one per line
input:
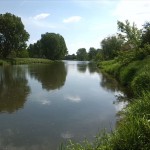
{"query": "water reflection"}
(51, 76)
(110, 84)
(78, 110)
(13, 88)
(92, 67)
(82, 66)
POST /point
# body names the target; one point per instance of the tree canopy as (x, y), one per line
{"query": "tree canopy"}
(51, 46)
(110, 47)
(92, 53)
(146, 34)
(13, 36)
(130, 34)
(81, 54)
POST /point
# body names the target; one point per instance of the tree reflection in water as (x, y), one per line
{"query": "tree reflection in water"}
(52, 76)
(13, 88)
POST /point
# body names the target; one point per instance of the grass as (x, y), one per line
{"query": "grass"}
(17, 61)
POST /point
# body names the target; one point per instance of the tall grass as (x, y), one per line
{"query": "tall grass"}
(17, 61)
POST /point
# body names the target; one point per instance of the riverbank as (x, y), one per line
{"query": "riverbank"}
(133, 131)
(17, 61)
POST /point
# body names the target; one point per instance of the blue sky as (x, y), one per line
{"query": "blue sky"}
(82, 23)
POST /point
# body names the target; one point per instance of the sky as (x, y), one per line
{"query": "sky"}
(82, 23)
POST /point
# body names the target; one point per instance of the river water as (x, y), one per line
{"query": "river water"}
(42, 105)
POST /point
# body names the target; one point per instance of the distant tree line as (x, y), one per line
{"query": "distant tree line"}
(129, 42)
(83, 55)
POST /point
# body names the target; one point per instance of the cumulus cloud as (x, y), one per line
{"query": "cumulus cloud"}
(41, 16)
(72, 19)
(73, 98)
(135, 11)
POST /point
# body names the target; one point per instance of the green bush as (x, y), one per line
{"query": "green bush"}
(126, 57)
(127, 74)
(23, 54)
(141, 83)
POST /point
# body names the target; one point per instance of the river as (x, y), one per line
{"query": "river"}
(42, 105)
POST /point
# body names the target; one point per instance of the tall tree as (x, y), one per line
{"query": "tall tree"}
(82, 54)
(146, 34)
(92, 53)
(130, 34)
(110, 47)
(13, 36)
(53, 46)
(35, 50)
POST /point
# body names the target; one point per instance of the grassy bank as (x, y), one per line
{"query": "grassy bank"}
(135, 75)
(17, 61)
(133, 131)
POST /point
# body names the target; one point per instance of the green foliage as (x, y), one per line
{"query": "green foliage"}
(51, 46)
(126, 57)
(17, 61)
(146, 34)
(81, 54)
(141, 83)
(35, 50)
(135, 74)
(92, 53)
(130, 34)
(112, 67)
(23, 54)
(143, 52)
(127, 73)
(12, 35)
(134, 130)
(110, 47)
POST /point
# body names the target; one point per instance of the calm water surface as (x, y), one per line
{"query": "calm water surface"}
(44, 105)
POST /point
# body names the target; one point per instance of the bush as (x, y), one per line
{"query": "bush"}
(23, 54)
(141, 83)
(126, 57)
(128, 73)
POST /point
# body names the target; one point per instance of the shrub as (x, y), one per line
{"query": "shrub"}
(141, 83)
(128, 73)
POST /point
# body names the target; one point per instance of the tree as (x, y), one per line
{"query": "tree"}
(13, 36)
(35, 50)
(110, 47)
(146, 34)
(70, 57)
(92, 53)
(53, 46)
(82, 54)
(130, 34)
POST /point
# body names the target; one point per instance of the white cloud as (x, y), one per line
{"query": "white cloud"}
(135, 11)
(33, 22)
(72, 19)
(45, 102)
(41, 16)
(73, 98)
(67, 135)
